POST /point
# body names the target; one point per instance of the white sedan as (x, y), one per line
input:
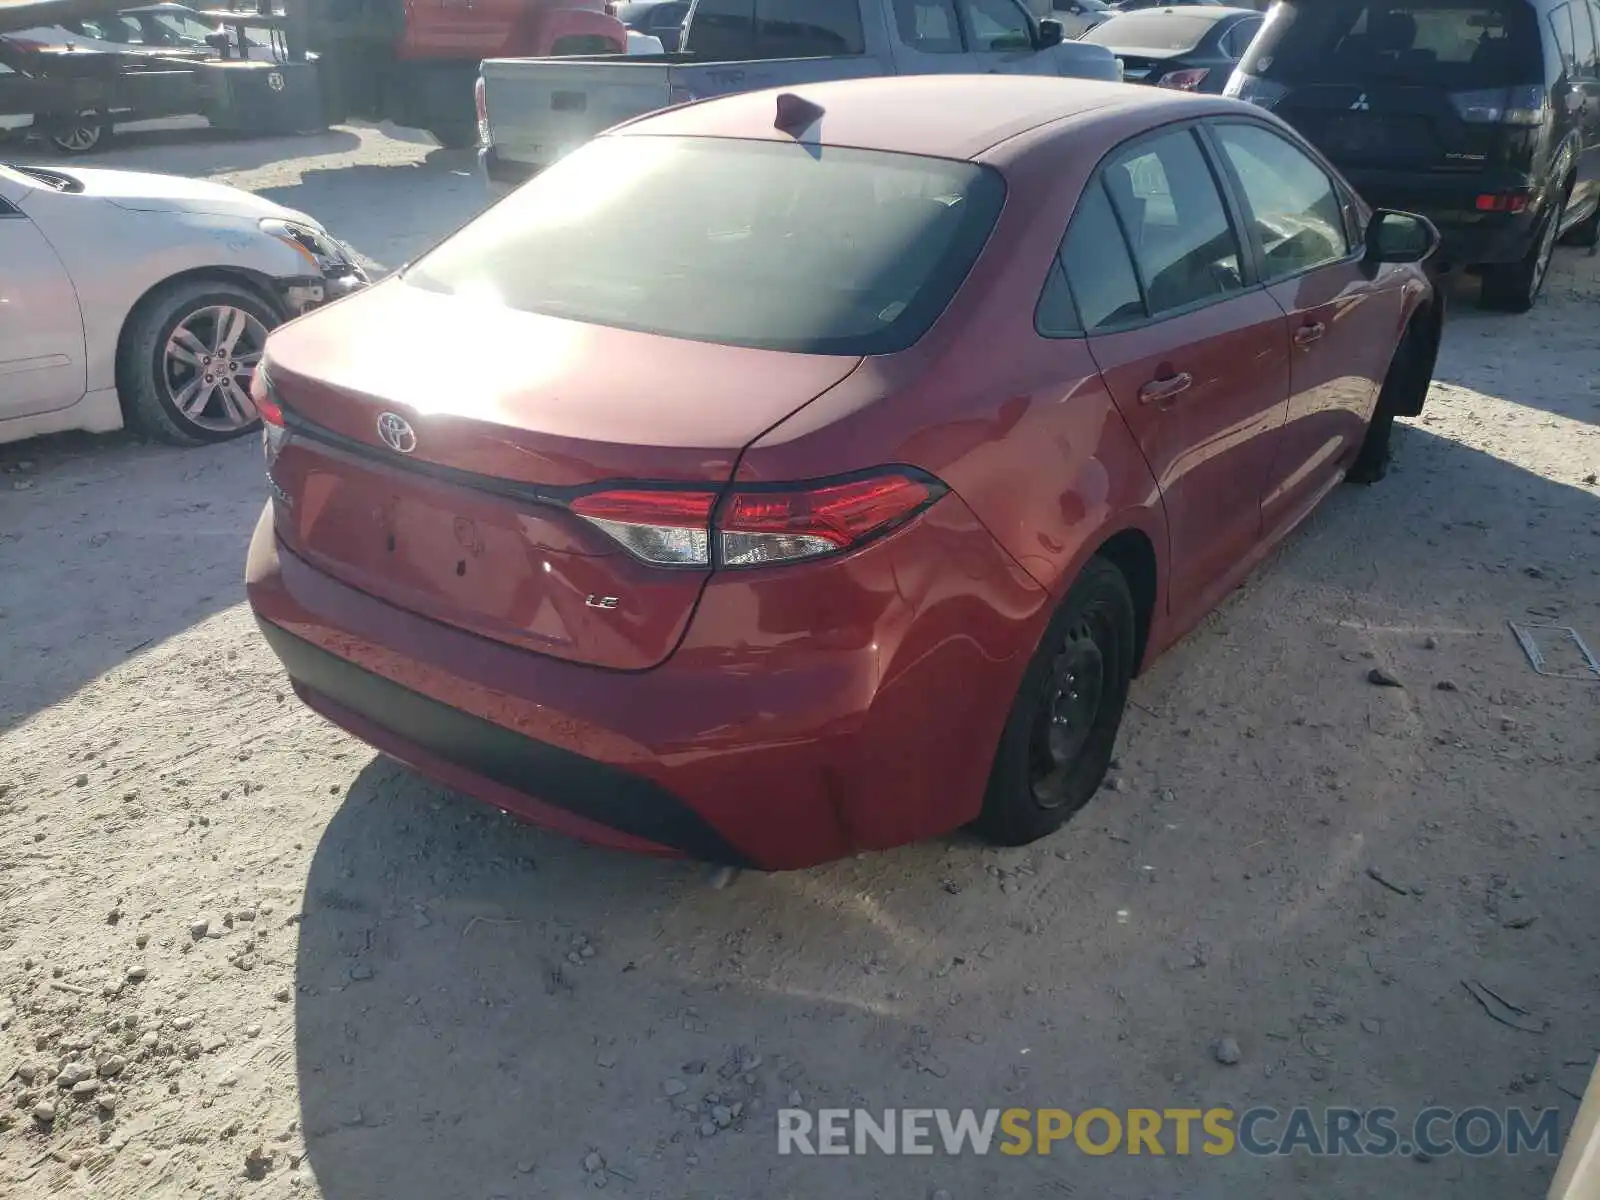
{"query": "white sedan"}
(141, 300)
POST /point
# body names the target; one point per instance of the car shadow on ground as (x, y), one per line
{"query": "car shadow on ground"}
(480, 1005)
(108, 547)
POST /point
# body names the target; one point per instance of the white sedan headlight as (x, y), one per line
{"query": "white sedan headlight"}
(324, 252)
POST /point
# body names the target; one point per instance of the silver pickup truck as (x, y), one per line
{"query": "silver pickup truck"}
(533, 110)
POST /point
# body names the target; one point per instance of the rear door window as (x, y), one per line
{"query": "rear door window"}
(723, 29)
(1583, 40)
(808, 28)
(1453, 44)
(1168, 204)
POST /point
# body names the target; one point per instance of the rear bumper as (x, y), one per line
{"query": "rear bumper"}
(500, 178)
(1467, 237)
(781, 734)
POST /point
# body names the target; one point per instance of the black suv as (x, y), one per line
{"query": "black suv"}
(1482, 114)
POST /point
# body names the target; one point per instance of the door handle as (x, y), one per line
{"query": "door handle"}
(1166, 390)
(1307, 334)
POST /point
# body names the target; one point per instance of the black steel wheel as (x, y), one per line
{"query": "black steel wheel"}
(1059, 736)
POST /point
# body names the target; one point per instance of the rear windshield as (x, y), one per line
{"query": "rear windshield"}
(1155, 29)
(777, 245)
(1442, 43)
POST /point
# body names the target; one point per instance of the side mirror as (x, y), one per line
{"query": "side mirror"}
(1051, 33)
(1400, 237)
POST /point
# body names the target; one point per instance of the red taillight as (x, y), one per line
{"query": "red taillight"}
(273, 431)
(760, 527)
(661, 526)
(755, 526)
(1185, 80)
(1506, 202)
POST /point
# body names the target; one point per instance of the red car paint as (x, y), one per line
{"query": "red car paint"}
(505, 28)
(790, 713)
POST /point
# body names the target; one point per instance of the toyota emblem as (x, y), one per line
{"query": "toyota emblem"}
(397, 433)
(275, 81)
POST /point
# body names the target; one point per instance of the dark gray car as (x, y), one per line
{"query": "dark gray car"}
(1192, 48)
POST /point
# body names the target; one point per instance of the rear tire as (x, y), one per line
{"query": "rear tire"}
(1372, 460)
(1062, 727)
(151, 382)
(1514, 287)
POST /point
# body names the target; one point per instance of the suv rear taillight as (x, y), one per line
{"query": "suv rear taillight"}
(480, 102)
(756, 526)
(1501, 106)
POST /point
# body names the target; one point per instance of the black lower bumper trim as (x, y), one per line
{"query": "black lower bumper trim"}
(499, 170)
(593, 790)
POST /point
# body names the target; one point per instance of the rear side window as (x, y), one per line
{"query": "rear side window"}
(1453, 44)
(1561, 25)
(1168, 204)
(776, 245)
(1098, 268)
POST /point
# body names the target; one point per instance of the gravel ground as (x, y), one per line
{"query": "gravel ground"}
(242, 956)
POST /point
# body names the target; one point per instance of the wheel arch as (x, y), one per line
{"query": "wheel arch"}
(258, 284)
(1424, 329)
(1132, 552)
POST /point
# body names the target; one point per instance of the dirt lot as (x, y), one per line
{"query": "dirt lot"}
(302, 971)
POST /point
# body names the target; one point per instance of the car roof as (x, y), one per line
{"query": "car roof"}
(938, 116)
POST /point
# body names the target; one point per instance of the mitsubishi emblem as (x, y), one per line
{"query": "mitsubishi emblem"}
(397, 433)
(1361, 104)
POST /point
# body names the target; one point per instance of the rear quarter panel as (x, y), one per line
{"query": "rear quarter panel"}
(1019, 425)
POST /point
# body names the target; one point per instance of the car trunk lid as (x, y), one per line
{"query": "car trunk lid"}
(1416, 86)
(1390, 127)
(511, 416)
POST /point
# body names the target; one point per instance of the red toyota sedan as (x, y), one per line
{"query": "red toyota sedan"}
(788, 475)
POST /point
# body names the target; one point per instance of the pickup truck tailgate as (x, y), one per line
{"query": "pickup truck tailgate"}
(538, 109)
